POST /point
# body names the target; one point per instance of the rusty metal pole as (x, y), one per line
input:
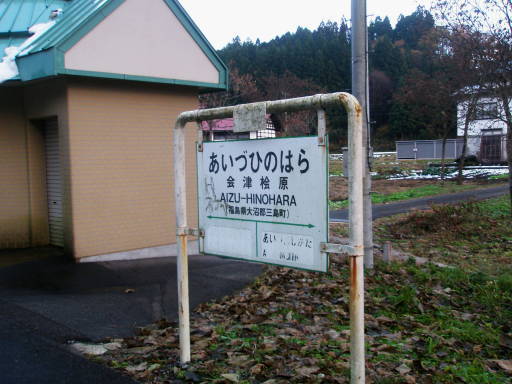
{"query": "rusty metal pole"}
(356, 222)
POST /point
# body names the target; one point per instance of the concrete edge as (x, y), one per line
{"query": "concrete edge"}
(170, 250)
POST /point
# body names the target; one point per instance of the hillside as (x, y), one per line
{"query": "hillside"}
(307, 62)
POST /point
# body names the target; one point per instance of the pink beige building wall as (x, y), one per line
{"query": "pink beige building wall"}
(116, 163)
(120, 141)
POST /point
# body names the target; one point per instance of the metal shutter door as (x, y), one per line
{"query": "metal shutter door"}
(53, 183)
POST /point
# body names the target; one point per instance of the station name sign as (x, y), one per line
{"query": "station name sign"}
(265, 201)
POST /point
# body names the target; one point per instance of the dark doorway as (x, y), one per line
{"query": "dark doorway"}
(490, 149)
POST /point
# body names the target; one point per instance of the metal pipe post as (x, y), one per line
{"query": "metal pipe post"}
(356, 223)
(181, 239)
(322, 126)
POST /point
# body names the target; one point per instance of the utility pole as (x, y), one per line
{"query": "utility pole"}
(360, 89)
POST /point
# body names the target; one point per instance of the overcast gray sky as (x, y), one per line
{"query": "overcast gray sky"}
(222, 20)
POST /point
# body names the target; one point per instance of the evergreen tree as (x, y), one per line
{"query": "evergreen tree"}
(388, 58)
(379, 28)
(321, 60)
(412, 28)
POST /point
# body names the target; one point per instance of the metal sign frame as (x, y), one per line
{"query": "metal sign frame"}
(264, 239)
(357, 150)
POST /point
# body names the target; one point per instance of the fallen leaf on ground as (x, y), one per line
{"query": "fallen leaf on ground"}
(403, 369)
(257, 369)
(137, 368)
(307, 371)
(89, 349)
(506, 341)
(506, 365)
(233, 377)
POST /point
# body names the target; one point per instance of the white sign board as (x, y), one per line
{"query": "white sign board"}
(265, 201)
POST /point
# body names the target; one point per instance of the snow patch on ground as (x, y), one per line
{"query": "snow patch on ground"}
(8, 67)
(469, 173)
(339, 156)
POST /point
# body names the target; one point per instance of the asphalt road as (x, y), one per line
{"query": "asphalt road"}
(47, 303)
(30, 355)
(383, 210)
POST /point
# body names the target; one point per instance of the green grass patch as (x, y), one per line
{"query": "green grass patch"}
(338, 204)
(472, 236)
(453, 320)
(496, 207)
(413, 193)
(499, 177)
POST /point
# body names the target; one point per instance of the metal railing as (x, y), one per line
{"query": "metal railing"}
(357, 150)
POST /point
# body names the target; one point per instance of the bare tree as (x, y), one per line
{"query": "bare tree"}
(489, 21)
(431, 93)
(245, 89)
(288, 85)
(464, 67)
(242, 89)
(469, 110)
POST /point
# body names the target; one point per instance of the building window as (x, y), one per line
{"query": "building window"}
(486, 111)
(270, 132)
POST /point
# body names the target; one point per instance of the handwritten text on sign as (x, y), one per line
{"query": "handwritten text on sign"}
(282, 247)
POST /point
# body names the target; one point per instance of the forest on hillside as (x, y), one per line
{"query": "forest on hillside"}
(408, 71)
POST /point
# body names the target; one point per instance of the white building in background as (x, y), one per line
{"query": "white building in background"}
(487, 130)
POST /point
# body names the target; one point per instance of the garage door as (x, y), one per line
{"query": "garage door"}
(54, 183)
